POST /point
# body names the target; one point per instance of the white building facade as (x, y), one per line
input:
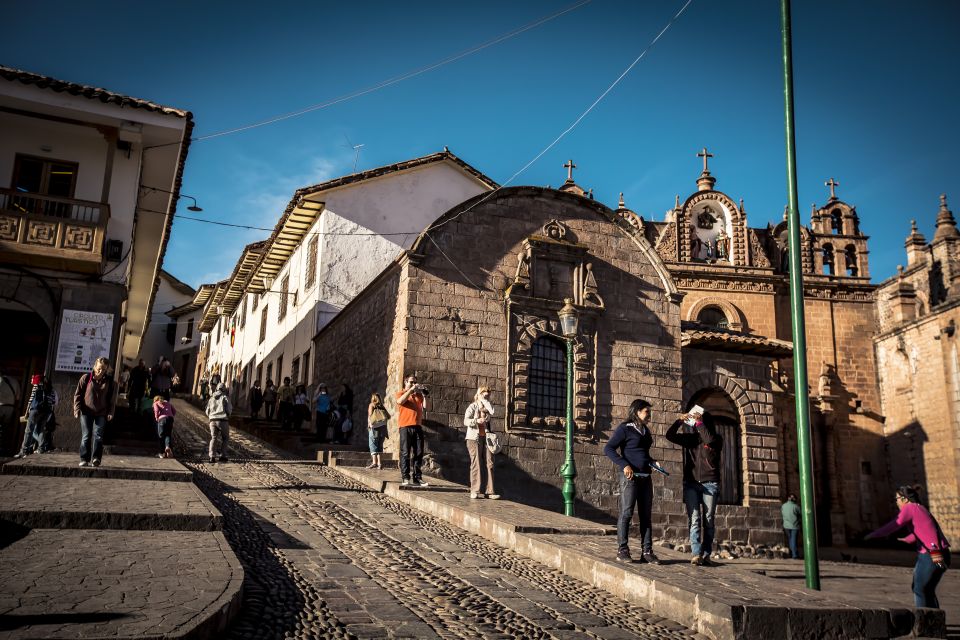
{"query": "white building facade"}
(331, 242)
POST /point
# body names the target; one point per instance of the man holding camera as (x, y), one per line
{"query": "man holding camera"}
(411, 403)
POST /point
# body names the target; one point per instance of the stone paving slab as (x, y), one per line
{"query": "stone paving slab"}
(98, 503)
(475, 516)
(114, 467)
(73, 583)
(720, 602)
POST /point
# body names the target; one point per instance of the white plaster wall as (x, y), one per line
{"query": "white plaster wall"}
(356, 243)
(155, 342)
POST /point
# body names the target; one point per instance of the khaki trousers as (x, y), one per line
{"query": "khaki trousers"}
(480, 456)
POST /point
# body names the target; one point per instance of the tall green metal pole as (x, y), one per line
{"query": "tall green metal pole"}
(569, 469)
(810, 559)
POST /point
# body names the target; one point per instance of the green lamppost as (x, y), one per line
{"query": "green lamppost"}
(568, 326)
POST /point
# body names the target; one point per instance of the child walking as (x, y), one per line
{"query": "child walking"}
(163, 413)
(218, 412)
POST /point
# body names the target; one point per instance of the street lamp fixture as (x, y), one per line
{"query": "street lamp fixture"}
(194, 207)
(569, 321)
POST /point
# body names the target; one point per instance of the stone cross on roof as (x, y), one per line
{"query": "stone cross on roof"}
(703, 154)
(832, 183)
(569, 166)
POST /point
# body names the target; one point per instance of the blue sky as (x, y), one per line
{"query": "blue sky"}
(876, 84)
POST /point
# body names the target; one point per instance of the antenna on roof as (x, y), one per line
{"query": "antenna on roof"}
(356, 148)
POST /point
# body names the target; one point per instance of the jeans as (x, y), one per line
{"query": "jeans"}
(695, 496)
(411, 446)
(375, 439)
(285, 415)
(31, 433)
(219, 431)
(792, 536)
(481, 458)
(636, 492)
(165, 433)
(270, 408)
(91, 425)
(926, 577)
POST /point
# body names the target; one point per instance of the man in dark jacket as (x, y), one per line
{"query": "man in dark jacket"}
(137, 386)
(702, 447)
(94, 402)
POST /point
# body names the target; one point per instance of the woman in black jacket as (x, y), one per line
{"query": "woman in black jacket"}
(629, 449)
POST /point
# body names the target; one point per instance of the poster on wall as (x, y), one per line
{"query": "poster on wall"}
(84, 337)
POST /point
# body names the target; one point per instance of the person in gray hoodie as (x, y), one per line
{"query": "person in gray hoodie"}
(218, 412)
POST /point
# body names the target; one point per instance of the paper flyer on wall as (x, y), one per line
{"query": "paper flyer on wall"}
(84, 337)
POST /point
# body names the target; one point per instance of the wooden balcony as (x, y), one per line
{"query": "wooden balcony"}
(48, 232)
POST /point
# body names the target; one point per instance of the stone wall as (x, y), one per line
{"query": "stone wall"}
(458, 338)
(920, 386)
(355, 347)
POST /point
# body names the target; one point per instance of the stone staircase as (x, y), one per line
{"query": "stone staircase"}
(346, 455)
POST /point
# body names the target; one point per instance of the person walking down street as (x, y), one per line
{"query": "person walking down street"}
(345, 399)
(218, 413)
(477, 420)
(411, 404)
(790, 511)
(301, 407)
(137, 387)
(285, 410)
(163, 413)
(323, 406)
(270, 400)
(204, 388)
(933, 549)
(256, 400)
(629, 449)
(377, 416)
(702, 448)
(94, 403)
(162, 378)
(41, 422)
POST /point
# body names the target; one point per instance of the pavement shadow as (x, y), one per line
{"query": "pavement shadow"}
(11, 622)
(10, 532)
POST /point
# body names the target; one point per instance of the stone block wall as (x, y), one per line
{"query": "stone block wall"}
(458, 339)
(920, 386)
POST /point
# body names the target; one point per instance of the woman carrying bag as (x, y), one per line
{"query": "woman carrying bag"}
(377, 416)
(477, 420)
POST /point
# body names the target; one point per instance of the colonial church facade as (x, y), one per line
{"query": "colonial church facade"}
(692, 309)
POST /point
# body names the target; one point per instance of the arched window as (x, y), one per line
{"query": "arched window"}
(547, 391)
(828, 260)
(713, 317)
(836, 221)
(850, 256)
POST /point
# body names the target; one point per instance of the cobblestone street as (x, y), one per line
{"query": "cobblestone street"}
(326, 557)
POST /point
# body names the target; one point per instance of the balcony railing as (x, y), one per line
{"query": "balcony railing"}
(52, 232)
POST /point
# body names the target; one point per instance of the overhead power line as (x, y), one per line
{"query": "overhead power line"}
(396, 79)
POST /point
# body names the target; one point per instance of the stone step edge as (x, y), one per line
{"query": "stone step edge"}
(107, 472)
(104, 520)
(713, 617)
(226, 608)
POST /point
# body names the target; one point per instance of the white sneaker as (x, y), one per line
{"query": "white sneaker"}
(404, 483)
(96, 462)
(84, 463)
(422, 483)
(493, 496)
(474, 495)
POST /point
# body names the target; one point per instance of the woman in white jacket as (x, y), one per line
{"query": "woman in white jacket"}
(477, 421)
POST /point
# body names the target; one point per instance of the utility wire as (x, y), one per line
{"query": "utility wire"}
(396, 79)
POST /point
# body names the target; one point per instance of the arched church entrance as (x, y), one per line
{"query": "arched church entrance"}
(726, 419)
(26, 341)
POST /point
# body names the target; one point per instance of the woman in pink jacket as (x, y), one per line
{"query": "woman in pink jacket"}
(933, 550)
(163, 413)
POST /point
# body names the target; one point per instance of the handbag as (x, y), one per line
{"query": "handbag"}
(493, 443)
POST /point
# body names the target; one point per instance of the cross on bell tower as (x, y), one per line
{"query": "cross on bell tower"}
(705, 182)
(569, 166)
(832, 183)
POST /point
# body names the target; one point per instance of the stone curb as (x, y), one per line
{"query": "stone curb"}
(108, 472)
(715, 617)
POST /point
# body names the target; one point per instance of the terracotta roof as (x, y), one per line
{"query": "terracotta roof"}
(86, 91)
(700, 336)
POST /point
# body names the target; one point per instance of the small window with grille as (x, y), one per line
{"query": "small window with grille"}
(713, 317)
(547, 390)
